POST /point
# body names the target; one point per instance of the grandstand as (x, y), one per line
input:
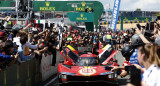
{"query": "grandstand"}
(108, 14)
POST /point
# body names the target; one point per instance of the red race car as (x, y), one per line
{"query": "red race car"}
(87, 67)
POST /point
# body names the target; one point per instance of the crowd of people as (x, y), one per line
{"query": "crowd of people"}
(143, 53)
(20, 45)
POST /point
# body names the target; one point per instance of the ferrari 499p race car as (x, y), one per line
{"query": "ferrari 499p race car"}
(87, 67)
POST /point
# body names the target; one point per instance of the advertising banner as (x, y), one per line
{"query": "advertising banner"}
(115, 14)
(80, 16)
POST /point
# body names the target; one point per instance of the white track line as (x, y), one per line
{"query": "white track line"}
(51, 81)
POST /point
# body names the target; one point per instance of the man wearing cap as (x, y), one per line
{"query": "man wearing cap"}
(3, 36)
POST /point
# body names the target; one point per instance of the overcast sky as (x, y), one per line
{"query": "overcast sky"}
(145, 5)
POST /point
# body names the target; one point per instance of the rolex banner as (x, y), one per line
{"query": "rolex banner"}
(80, 16)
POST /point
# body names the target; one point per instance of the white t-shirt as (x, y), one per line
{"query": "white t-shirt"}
(151, 76)
(17, 40)
(29, 45)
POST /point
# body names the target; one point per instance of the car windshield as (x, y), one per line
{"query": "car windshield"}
(88, 61)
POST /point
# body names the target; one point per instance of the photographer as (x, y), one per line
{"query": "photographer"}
(148, 56)
(152, 31)
(141, 36)
(130, 54)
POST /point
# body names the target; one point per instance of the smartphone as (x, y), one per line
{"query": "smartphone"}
(147, 26)
(151, 25)
(138, 26)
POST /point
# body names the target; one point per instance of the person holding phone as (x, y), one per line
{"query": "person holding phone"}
(148, 56)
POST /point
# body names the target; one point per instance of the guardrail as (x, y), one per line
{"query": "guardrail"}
(30, 73)
(24, 74)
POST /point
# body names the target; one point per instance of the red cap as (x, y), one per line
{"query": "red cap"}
(109, 33)
(75, 31)
(2, 34)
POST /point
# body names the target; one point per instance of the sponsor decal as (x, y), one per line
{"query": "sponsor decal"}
(87, 71)
(48, 7)
(83, 7)
(81, 17)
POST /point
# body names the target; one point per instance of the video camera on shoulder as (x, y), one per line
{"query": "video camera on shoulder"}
(134, 74)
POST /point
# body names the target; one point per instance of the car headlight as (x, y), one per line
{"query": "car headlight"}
(110, 76)
(113, 75)
(106, 73)
(64, 76)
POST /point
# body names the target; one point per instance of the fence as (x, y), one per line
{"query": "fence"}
(25, 74)
(29, 73)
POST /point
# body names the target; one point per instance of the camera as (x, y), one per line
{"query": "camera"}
(135, 75)
(150, 26)
(138, 26)
(147, 33)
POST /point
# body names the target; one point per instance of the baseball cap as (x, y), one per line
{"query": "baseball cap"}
(2, 34)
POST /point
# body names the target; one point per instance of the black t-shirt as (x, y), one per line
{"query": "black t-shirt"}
(114, 37)
(52, 43)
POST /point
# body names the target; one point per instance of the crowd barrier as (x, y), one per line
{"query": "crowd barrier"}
(24, 74)
(46, 67)
(29, 73)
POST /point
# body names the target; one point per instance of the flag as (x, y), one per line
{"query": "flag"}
(39, 21)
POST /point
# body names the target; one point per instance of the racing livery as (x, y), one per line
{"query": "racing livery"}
(87, 67)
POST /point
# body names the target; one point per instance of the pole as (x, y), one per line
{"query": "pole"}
(28, 11)
(17, 9)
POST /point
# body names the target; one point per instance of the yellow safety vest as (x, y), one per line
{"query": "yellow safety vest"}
(108, 37)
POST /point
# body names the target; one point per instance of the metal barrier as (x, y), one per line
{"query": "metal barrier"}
(28, 73)
(25, 74)
(46, 68)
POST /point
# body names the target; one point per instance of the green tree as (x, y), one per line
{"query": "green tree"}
(138, 9)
